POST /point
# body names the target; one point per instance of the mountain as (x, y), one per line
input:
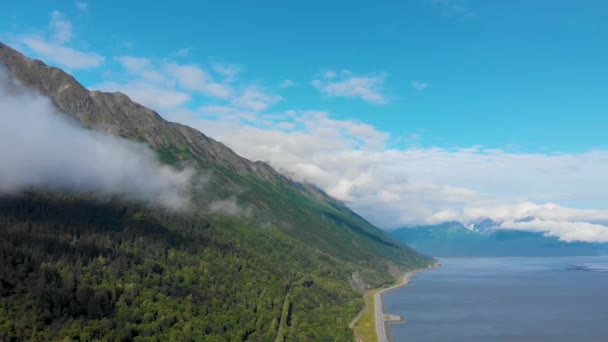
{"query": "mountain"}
(486, 225)
(446, 239)
(85, 268)
(453, 239)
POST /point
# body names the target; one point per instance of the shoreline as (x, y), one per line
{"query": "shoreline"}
(382, 325)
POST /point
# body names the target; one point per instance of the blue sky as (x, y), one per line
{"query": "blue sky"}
(536, 69)
(457, 104)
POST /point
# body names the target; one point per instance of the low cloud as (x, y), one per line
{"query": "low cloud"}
(41, 148)
(546, 212)
(565, 231)
(567, 224)
(229, 207)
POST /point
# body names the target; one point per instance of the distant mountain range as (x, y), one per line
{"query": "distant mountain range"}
(486, 238)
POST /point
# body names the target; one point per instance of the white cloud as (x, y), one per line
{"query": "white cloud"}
(564, 230)
(545, 212)
(399, 187)
(60, 27)
(62, 55)
(190, 77)
(173, 79)
(168, 86)
(142, 67)
(134, 64)
(228, 71)
(346, 84)
(53, 46)
(194, 78)
(254, 98)
(419, 85)
(330, 74)
(216, 109)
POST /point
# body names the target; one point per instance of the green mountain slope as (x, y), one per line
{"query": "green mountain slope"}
(77, 267)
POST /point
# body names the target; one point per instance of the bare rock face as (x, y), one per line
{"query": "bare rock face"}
(357, 282)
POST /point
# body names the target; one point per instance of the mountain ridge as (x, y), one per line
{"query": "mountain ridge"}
(284, 270)
(177, 144)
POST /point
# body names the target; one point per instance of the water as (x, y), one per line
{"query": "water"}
(505, 299)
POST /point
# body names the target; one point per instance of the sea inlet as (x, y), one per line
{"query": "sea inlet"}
(505, 299)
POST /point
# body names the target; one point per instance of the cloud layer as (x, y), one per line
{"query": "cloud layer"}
(351, 160)
(404, 187)
(41, 148)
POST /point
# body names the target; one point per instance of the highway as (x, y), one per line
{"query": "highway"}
(379, 310)
(380, 326)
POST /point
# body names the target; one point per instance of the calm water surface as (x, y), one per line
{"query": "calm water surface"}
(505, 299)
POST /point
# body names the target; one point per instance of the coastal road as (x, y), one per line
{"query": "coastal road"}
(380, 326)
(379, 310)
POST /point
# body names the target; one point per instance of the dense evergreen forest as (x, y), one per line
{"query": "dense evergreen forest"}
(87, 269)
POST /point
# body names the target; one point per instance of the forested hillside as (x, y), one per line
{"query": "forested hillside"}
(83, 267)
(87, 270)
